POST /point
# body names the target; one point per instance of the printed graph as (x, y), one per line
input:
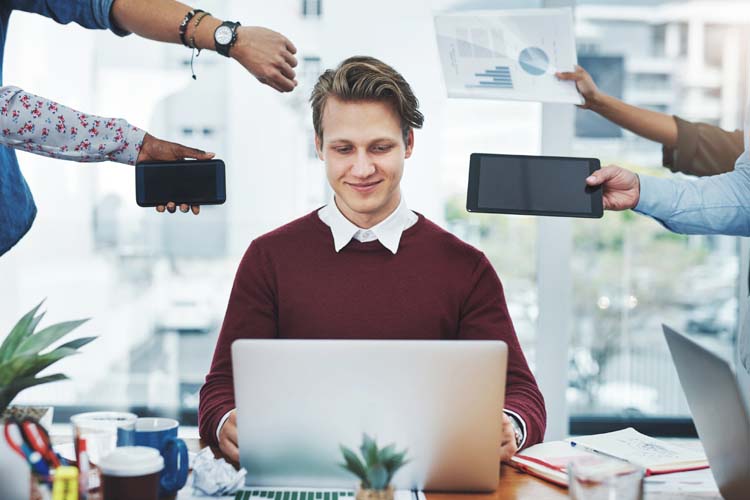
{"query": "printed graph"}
(534, 61)
(493, 78)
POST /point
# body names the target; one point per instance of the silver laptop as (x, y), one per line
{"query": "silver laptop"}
(719, 411)
(298, 400)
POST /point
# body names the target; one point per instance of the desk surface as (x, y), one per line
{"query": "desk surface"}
(513, 485)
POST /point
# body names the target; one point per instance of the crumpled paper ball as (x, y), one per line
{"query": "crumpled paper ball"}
(215, 476)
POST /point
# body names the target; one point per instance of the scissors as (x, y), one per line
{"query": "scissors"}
(34, 444)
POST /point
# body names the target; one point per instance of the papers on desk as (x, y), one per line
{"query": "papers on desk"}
(508, 54)
(657, 457)
(549, 460)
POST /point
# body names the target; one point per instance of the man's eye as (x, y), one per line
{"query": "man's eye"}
(343, 150)
(383, 148)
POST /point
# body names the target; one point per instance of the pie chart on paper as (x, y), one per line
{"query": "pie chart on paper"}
(533, 61)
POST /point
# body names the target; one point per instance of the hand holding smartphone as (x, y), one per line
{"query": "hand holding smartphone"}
(181, 182)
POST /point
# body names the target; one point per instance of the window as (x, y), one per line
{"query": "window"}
(312, 8)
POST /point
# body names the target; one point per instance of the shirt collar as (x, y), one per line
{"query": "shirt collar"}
(388, 232)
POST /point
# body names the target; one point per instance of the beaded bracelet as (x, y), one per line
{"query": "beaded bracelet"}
(184, 25)
(198, 20)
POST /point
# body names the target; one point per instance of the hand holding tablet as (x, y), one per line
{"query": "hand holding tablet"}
(533, 185)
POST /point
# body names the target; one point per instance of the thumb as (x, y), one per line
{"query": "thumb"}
(601, 176)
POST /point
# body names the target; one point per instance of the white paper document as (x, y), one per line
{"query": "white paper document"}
(508, 54)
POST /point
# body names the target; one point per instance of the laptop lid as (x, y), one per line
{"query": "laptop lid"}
(298, 400)
(718, 410)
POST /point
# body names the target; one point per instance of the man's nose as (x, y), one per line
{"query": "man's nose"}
(363, 165)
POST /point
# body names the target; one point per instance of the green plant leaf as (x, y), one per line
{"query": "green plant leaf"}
(31, 364)
(36, 343)
(23, 329)
(9, 392)
(354, 465)
(394, 463)
(369, 450)
(377, 476)
(78, 343)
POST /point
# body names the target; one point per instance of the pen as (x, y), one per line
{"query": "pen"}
(592, 450)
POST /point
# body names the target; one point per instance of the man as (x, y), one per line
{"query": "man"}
(691, 148)
(365, 266)
(41, 126)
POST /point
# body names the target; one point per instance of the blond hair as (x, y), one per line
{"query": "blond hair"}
(362, 78)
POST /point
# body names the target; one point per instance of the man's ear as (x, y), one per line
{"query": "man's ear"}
(409, 143)
(319, 146)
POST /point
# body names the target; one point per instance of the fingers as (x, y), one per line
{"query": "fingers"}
(290, 47)
(182, 152)
(230, 450)
(567, 75)
(171, 207)
(286, 71)
(290, 59)
(280, 82)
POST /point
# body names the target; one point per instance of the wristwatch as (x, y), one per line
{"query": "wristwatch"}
(517, 431)
(225, 36)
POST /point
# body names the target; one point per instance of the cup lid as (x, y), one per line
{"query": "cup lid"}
(131, 461)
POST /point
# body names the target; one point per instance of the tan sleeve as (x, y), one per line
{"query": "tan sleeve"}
(702, 149)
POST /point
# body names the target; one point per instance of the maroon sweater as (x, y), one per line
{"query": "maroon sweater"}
(291, 283)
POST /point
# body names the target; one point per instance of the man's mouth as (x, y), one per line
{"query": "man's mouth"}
(364, 187)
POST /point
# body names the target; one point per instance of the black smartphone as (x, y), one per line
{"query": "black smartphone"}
(195, 182)
(533, 185)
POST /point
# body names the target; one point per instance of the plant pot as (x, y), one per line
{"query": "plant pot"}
(15, 474)
(41, 414)
(363, 494)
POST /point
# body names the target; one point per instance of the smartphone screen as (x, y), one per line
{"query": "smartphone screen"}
(197, 182)
(533, 185)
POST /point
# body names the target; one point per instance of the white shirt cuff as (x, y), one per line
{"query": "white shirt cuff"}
(523, 425)
(224, 419)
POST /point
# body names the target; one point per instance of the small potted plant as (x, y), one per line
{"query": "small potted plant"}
(377, 470)
(23, 354)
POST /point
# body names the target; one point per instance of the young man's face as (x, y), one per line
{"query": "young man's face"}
(364, 151)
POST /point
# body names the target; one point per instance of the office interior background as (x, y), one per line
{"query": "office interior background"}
(587, 297)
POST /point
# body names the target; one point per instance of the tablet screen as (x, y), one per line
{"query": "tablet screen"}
(533, 185)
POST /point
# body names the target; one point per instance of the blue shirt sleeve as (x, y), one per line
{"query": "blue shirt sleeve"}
(91, 14)
(719, 204)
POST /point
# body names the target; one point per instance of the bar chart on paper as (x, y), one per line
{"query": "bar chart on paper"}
(508, 55)
(496, 77)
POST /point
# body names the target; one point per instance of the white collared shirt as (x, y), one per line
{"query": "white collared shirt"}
(388, 231)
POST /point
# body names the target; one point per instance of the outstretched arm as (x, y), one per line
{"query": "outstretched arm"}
(268, 55)
(37, 125)
(652, 125)
(719, 204)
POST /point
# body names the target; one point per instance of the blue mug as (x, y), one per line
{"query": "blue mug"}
(160, 433)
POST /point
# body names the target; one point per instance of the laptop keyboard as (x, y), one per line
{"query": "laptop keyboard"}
(295, 494)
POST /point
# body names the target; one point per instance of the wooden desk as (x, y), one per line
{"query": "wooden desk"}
(513, 485)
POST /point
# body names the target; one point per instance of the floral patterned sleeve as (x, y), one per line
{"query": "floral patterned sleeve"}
(40, 126)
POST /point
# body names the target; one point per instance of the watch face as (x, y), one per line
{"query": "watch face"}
(223, 35)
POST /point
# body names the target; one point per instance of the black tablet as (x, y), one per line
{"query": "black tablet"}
(533, 185)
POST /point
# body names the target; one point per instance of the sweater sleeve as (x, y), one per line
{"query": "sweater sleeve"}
(251, 313)
(484, 316)
(703, 149)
